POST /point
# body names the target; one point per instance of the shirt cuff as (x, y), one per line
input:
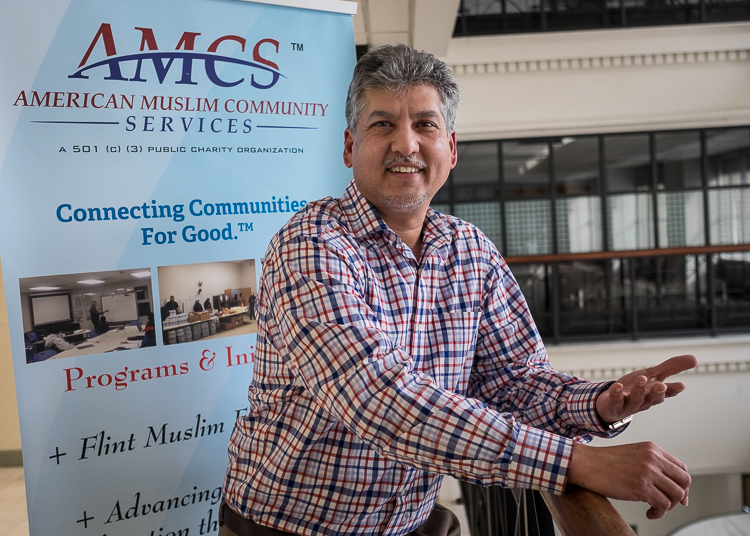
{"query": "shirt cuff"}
(540, 460)
(581, 405)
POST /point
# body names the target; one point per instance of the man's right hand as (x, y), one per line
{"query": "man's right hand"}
(636, 472)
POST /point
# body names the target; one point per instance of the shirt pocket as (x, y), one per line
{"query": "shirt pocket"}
(453, 338)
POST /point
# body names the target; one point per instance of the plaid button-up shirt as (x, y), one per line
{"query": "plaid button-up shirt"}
(376, 373)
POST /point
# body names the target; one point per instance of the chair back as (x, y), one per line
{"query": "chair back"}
(31, 336)
(43, 356)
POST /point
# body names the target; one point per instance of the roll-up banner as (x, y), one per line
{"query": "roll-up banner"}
(149, 150)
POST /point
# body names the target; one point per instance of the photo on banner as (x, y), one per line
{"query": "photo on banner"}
(171, 139)
(207, 300)
(70, 315)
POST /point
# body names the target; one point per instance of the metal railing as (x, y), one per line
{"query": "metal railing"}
(636, 294)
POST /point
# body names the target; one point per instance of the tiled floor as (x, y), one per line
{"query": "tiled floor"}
(14, 521)
(450, 493)
(13, 517)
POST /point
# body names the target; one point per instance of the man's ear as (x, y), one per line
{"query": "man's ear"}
(454, 151)
(348, 144)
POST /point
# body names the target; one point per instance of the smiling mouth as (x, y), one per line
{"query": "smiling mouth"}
(405, 165)
(404, 169)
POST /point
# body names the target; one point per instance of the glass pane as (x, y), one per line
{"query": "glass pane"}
(732, 286)
(443, 208)
(681, 219)
(630, 219)
(443, 195)
(579, 224)
(728, 155)
(729, 216)
(678, 160)
(528, 225)
(475, 192)
(486, 216)
(671, 293)
(477, 163)
(525, 169)
(535, 281)
(591, 299)
(576, 166)
(628, 163)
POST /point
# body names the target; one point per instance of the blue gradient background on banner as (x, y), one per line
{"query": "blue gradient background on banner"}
(37, 177)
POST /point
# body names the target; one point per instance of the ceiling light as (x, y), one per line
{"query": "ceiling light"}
(45, 288)
(147, 273)
(90, 282)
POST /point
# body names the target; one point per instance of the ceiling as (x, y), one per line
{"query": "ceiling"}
(68, 282)
(423, 24)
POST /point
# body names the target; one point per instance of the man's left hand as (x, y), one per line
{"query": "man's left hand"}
(641, 389)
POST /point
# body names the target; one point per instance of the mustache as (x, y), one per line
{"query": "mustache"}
(405, 160)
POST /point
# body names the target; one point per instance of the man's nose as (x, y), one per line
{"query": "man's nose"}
(405, 141)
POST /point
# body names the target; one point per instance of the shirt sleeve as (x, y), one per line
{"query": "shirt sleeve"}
(511, 371)
(330, 339)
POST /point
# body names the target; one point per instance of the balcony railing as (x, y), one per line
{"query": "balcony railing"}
(489, 17)
(582, 512)
(636, 294)
(496, 511)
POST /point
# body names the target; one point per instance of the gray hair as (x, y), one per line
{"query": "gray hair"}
(398, 67)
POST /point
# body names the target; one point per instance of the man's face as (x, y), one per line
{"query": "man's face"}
(401, 152)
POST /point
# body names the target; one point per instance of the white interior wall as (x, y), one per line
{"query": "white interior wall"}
(710, 495)
(182, 281)
(565, 83)
(707, 426)
(248, 273)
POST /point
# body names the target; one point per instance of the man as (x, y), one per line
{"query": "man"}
(95, 315)
(172, 305)
(394, 346)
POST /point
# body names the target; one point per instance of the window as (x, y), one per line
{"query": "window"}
(487, 17)
(616, 235)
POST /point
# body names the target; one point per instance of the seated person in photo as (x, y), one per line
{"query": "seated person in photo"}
(207, 304)
(103, 326)
(57, 342)
(197, 307)
(149, 332)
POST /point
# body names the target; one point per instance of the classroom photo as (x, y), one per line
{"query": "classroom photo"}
(71, 315)
(207, 300)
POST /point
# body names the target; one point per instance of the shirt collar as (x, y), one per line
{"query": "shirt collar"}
(363, 218)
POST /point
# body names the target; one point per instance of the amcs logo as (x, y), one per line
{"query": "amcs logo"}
(185, 54)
